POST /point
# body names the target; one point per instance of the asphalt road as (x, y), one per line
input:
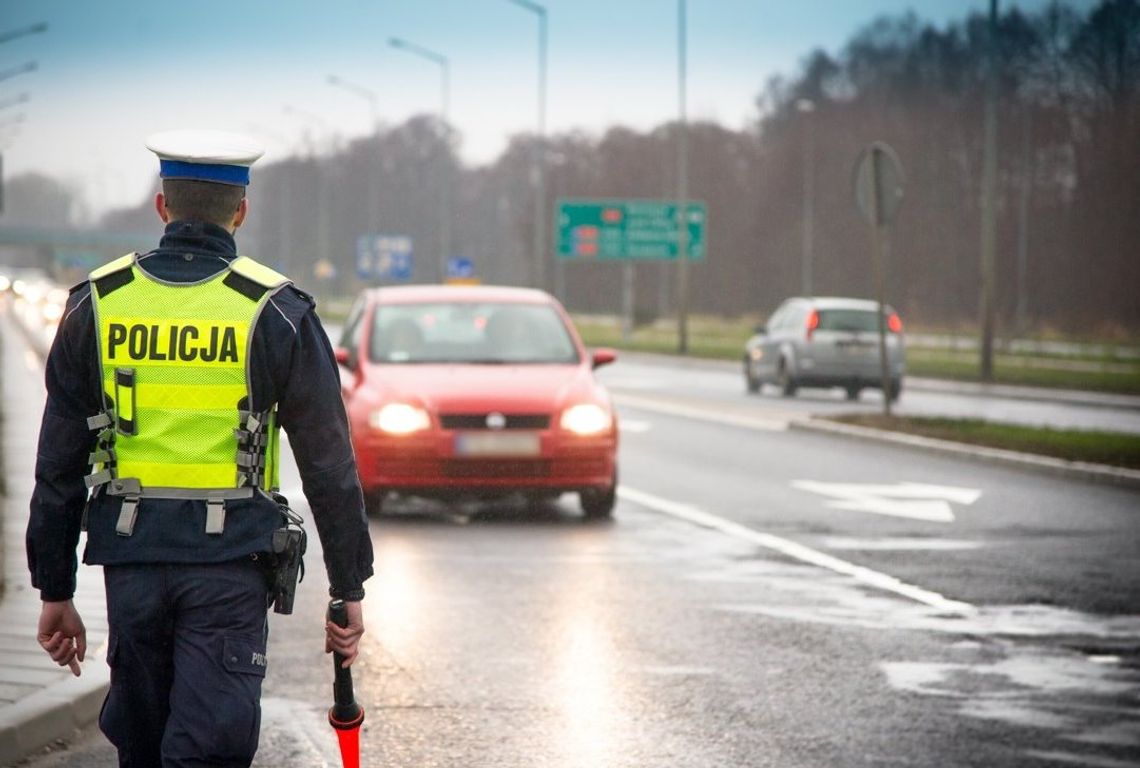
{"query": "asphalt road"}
(764, 597)
(723, 383)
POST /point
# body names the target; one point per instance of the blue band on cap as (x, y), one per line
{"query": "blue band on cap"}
(222, 174)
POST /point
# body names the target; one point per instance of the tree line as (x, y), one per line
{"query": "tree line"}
(1068, 189)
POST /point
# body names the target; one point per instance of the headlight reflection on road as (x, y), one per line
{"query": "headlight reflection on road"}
(586, 693)
(394, 599)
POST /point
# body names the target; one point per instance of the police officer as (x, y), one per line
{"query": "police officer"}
(166, 384)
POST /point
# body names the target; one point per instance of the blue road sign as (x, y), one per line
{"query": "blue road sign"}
(460, 266)
(384, 257)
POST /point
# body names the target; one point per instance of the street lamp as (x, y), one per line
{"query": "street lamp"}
(29, 66)
(445, 180)
(806, 107)
(539, 149)
(14, 101)
(15, 33)
(23, 97)
(367, 94)
(373, 193)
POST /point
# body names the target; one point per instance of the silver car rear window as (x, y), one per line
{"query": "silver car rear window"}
(847, 320)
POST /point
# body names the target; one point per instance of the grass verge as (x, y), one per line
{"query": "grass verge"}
(1025, 371)
(1112, 448)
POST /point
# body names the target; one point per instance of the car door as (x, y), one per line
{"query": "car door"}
(769, 344)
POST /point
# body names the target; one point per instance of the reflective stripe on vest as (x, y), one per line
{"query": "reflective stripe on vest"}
(174, 362)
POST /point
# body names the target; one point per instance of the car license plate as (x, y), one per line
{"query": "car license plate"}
(497, 444)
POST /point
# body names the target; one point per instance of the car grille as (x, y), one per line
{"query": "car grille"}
(479, 421)
(496, 468)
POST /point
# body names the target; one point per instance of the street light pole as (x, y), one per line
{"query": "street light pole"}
(365, 93)
(539, 149)
(989, 214)
(29, 66)
(373, 190)
(445, 159)
(807, 107)
(682, 188)
(23, 31)
(23, 97)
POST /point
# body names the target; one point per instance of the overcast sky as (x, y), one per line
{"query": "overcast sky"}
(112, 71)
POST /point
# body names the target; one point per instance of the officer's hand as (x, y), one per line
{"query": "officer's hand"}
(346, 640)
(61, 633)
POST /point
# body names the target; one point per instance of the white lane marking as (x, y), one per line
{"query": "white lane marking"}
(702, 414)
(635, 426)
(899, 544)
(916, 501)
(792, 549)
(1084, 761)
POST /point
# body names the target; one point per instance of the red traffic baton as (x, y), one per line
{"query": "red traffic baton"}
(345, 715)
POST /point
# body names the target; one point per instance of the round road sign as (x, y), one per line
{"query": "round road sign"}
(878, 181)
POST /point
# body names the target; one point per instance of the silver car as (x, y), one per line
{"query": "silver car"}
(825, 342)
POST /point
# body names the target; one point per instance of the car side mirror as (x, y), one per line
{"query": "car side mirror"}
(760, 330)
(602, 356)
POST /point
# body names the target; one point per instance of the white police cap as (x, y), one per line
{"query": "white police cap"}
(205, 155)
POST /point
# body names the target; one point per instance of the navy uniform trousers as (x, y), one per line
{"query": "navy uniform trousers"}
(187, 658)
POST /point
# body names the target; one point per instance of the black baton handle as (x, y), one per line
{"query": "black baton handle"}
(345, 712)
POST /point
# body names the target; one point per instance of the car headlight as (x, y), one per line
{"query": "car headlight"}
(400, 419)
(586, 419)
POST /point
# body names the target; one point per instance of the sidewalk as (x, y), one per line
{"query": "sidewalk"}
(39, 701)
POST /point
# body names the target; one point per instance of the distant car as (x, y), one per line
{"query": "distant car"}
(458, 392)
(825, 342)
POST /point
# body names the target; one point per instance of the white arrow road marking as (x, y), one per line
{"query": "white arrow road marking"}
(792, 549)
(912, 500)
(635, 426)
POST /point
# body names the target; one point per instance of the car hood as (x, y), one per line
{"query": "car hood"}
(480, 388)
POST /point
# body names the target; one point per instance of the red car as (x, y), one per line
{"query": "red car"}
(460, 392)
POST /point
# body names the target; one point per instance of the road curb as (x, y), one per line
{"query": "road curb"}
(53, 713)
(1095, 473)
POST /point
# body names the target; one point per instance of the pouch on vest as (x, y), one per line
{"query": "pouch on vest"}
(125, 401)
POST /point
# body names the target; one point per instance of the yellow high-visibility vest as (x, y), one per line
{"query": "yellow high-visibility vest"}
(174, 361)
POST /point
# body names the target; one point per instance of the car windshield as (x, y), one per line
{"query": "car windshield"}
(469, 332)
(847, 320)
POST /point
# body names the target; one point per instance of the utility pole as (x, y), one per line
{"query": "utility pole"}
(1027, 173)
(989, 192)
(682, 189)
(539, 279)
(806, 107)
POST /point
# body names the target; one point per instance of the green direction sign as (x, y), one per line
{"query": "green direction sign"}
(604, 230)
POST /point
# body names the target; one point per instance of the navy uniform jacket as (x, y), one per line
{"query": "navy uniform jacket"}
(291, 363)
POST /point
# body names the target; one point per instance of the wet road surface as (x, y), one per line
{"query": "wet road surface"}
(762, 598)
